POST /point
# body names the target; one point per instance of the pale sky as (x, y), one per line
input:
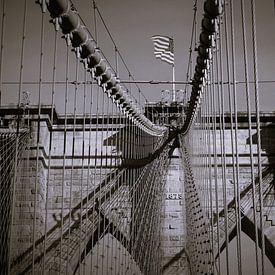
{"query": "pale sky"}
(131, 23)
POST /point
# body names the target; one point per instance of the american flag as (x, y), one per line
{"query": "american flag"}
(164, 48)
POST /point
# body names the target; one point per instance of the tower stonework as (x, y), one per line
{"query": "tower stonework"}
(173, 233)
(38, 173)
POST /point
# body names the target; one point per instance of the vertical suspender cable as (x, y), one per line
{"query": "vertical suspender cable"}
(206, 177)
(127, 179)
(38, 132)
(97, 206)
(132, 193)
(193, 36)
(213, 91)
(101, 175)
(118, 143)
(82, 191)
(204, 173)
(210, 149)
(23, 53)
(230, 103)
(109, 162)
(73, 169)
(91, 179)
(104, 174)
(70, 240)
(232, 132)
(237, 186)
(14, 180)
(82, 218)
(2, 45)
(50, 150)
(256, 87)
(247, 90)
(112, 162)
(131, 181)
(106, 123)
(97, 178)
(223, 149)
(124, 145)
(64, 155)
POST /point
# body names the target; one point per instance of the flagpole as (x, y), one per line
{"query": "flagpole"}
(164, 50)
(174, 84)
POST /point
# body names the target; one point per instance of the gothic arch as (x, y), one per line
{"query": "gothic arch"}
(248, 228)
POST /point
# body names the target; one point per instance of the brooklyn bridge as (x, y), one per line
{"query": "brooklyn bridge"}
(102, 173)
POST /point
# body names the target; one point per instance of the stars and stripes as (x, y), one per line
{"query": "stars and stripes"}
(164, 48)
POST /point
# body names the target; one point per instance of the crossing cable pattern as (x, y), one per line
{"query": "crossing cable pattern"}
(199, 247)
(86, 195)
(11, 155)
(91, 206)
(198, 243)
(228, 200)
